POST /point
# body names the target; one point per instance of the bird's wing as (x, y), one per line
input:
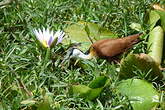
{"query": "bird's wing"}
(111, 47)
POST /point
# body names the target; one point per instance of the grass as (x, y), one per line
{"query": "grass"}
(21, 57)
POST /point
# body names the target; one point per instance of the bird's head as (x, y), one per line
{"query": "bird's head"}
(73, 52)
(77, 53)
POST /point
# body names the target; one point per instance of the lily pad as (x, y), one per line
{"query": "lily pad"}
(155, 44)
(93, 90)
(99, 82)
(82, 90)
(162, 18)
(153, 18)
(140, 93)
(140, 65)
(83, 32)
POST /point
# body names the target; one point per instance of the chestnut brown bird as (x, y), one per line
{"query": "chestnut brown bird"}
(106, 48)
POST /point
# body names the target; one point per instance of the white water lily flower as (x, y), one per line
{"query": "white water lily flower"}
(47, 37)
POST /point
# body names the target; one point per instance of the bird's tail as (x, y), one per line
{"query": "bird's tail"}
(134, 38)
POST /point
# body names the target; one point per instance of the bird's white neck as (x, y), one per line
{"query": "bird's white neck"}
(80, 54)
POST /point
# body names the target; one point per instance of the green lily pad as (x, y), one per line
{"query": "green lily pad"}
(155, 44)
(156, 15)
(94, 93)
(140, 93)
(153, 18)
(93, 90)
(140, 65)
(97, 86)
(162, 18)
(99, 82)
(82, 90)
(82, 32)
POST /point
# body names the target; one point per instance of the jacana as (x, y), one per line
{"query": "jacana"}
(106, 48)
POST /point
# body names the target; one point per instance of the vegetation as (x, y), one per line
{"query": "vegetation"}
(22, 84)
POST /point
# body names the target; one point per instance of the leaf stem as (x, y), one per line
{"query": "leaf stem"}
(45, 60)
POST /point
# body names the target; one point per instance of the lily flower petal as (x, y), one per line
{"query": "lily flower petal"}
(47, 37)
(50, 40)
(60, 36)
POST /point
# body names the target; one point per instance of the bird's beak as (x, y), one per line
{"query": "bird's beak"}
(68, 55)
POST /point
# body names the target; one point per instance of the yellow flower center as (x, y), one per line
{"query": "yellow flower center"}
(44, 43)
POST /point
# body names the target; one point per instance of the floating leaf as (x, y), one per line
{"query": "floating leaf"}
(153, 18)
(155, 15)
(155, 44)
(97, 86)
(82, 90)
(140, 93)
(147, 67)
(162, 18)
(94, 93)
(99, 82)
(83, 32)
(93, 90)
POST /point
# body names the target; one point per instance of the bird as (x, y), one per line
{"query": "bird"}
(106, 48)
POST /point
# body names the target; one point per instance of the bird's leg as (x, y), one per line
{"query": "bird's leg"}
(114, 59)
